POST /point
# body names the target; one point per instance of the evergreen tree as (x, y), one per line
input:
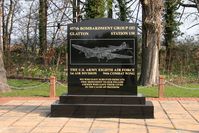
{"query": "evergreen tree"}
(171, 30)
(123, 13)
(95, 8)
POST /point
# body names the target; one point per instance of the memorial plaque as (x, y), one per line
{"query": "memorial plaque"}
(102, 57)
(102, 72)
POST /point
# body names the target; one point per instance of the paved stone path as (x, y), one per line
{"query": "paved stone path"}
(32, 116)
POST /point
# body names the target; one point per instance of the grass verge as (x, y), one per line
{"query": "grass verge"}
(40, 91)
(43, 90)
(192, 90)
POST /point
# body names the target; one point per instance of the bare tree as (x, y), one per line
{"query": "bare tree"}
(3, 80)
(151, 35)
(28, 27)
(8, 24)
(9, 11)
(58, 18)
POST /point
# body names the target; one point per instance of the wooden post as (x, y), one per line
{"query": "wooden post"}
(161, 87)
(52, 86)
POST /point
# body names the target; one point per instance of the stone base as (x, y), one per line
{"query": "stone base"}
(102, 106)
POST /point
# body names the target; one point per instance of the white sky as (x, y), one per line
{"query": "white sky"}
(187, 21)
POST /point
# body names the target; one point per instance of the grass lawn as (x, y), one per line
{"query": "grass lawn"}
(171, 91)
(43, 90)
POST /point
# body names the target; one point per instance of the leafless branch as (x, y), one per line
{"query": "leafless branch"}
(193, 13)
(189, 5)
(133, 11)
(193, 26)
(60, 10)
(181, 14)
(131, 4)
(137, 12)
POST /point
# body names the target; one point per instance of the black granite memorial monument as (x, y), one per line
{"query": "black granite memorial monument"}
(102, 72)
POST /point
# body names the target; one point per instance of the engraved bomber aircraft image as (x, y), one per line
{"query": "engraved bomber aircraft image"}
(104, 52)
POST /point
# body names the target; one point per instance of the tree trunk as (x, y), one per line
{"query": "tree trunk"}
(43, 26)
(3, 80)
(27, 44)
(78, 11)
(197, 4)
(7, 31)
(151, 35)
(74, 11)
(168, 60)
(110, 8)
(35, 42)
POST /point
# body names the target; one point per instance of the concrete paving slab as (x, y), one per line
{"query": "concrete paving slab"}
(16, 130)
(33, 116)
(133, 130)
(45, 129)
